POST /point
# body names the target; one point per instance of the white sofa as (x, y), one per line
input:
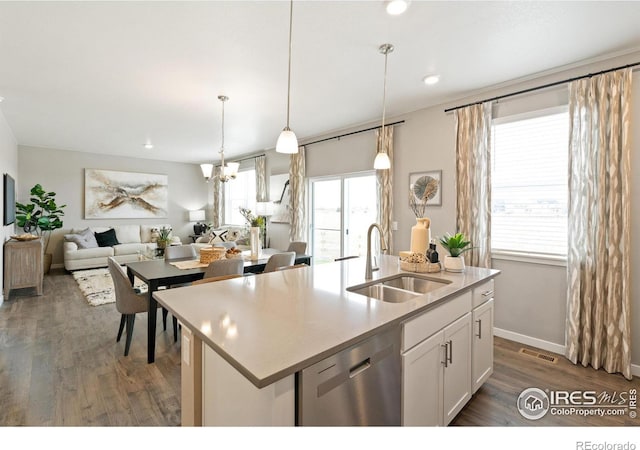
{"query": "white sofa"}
(134, 240)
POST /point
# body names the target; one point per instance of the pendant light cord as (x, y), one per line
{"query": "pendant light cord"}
(384, 92)
(222, 99)
(289, 76)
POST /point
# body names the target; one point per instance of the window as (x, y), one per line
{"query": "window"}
(237, 193)
(529, 181)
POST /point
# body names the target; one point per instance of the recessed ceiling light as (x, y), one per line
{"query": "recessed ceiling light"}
(431, 79)
(1, 99)
(397, 7)
(148, 146)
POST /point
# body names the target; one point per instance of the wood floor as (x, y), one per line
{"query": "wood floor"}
(60, 365)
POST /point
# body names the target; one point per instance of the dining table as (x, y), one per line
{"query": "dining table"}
(156, 273)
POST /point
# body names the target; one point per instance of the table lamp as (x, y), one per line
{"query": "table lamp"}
(197, 216)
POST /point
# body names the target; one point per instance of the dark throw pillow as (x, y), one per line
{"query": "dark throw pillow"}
(107, 239)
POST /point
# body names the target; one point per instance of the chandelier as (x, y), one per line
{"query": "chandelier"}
(229, 171)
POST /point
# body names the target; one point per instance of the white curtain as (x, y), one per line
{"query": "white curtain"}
(473, 180)
(297, 171)
(384, 183)
(598, 330)
(261, 179)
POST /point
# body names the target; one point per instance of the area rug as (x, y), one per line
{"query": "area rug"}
(97, 286)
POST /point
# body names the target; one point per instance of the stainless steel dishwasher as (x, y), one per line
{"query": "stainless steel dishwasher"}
(358, 386)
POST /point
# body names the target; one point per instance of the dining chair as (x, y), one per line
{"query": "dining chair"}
(170, 253)
(234, 266)
(279, 260)
(295, 266)
(128, 301)
(299, 247)
(214, 279)
(179, 251)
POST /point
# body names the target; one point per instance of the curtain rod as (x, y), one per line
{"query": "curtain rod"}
(244, 159)
(349, 134)
(544, 86)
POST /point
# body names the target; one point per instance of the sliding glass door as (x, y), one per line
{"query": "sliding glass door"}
(342, 208)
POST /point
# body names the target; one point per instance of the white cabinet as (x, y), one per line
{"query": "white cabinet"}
(447, 355)
(457, 367)
(436, 381)
(422, 383)
(482, 348)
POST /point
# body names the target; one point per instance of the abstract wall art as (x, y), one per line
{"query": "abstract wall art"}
(124, 195)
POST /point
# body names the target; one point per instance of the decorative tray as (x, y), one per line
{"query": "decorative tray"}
(425, 267)
(25, 237)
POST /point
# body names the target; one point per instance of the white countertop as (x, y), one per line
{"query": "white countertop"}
(271, 325)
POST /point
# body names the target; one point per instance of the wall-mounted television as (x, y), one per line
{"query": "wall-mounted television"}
(9, 199)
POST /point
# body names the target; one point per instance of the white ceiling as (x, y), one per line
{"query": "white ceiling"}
(105, 77)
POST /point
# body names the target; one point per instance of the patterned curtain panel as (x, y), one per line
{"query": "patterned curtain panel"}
(598, 330)
(384, 182)
(298, 229)
(217, 199)
(473, 180)
(261, 179)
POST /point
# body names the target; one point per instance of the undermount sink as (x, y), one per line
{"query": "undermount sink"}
(385, 293)
(415, 284)
(399, 288)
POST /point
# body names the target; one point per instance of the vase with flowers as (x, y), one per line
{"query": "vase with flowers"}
(256, 231)
(418, 197)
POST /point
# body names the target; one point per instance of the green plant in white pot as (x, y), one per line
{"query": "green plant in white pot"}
(455, 245)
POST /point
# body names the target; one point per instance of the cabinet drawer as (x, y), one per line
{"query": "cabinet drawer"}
(419, 328)
(482, 293)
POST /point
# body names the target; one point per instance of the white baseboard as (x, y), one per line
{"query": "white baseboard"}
(534, 342)
(544, 345)
(1, 298)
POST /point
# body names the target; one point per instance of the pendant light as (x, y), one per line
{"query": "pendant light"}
(228, 172)
(382, 160)
(287, 141)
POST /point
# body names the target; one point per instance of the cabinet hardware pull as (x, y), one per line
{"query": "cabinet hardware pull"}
(487, 293)
(445, 346)
(451, 352)
(479, 328)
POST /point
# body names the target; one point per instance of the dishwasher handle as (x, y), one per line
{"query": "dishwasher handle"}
(359, 368)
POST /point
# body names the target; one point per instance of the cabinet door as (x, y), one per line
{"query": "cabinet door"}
(482, 366)
(457, 371)
(422, 383)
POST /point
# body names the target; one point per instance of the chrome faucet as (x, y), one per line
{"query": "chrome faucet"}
(369, 269)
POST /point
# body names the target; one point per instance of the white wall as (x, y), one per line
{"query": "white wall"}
(62, 171)
(531, 298)
(8, 164)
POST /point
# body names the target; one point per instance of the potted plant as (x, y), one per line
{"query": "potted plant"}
(164, 237)
(42, 215)
(455, 245)
(256, 231)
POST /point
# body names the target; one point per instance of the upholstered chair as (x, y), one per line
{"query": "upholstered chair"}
(180, 251)
(221, 267)
(279, 260)
(298, 247)
(128, 301)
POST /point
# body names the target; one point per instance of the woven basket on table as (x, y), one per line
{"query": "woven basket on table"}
(209, 254)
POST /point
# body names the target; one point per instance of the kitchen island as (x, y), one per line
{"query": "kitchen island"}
(246, 340)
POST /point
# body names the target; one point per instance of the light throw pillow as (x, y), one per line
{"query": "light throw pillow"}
(128, 234)
(107, 239)
(83, 239)
(216, 236)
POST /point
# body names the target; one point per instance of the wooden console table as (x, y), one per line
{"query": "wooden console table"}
(23, 265)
